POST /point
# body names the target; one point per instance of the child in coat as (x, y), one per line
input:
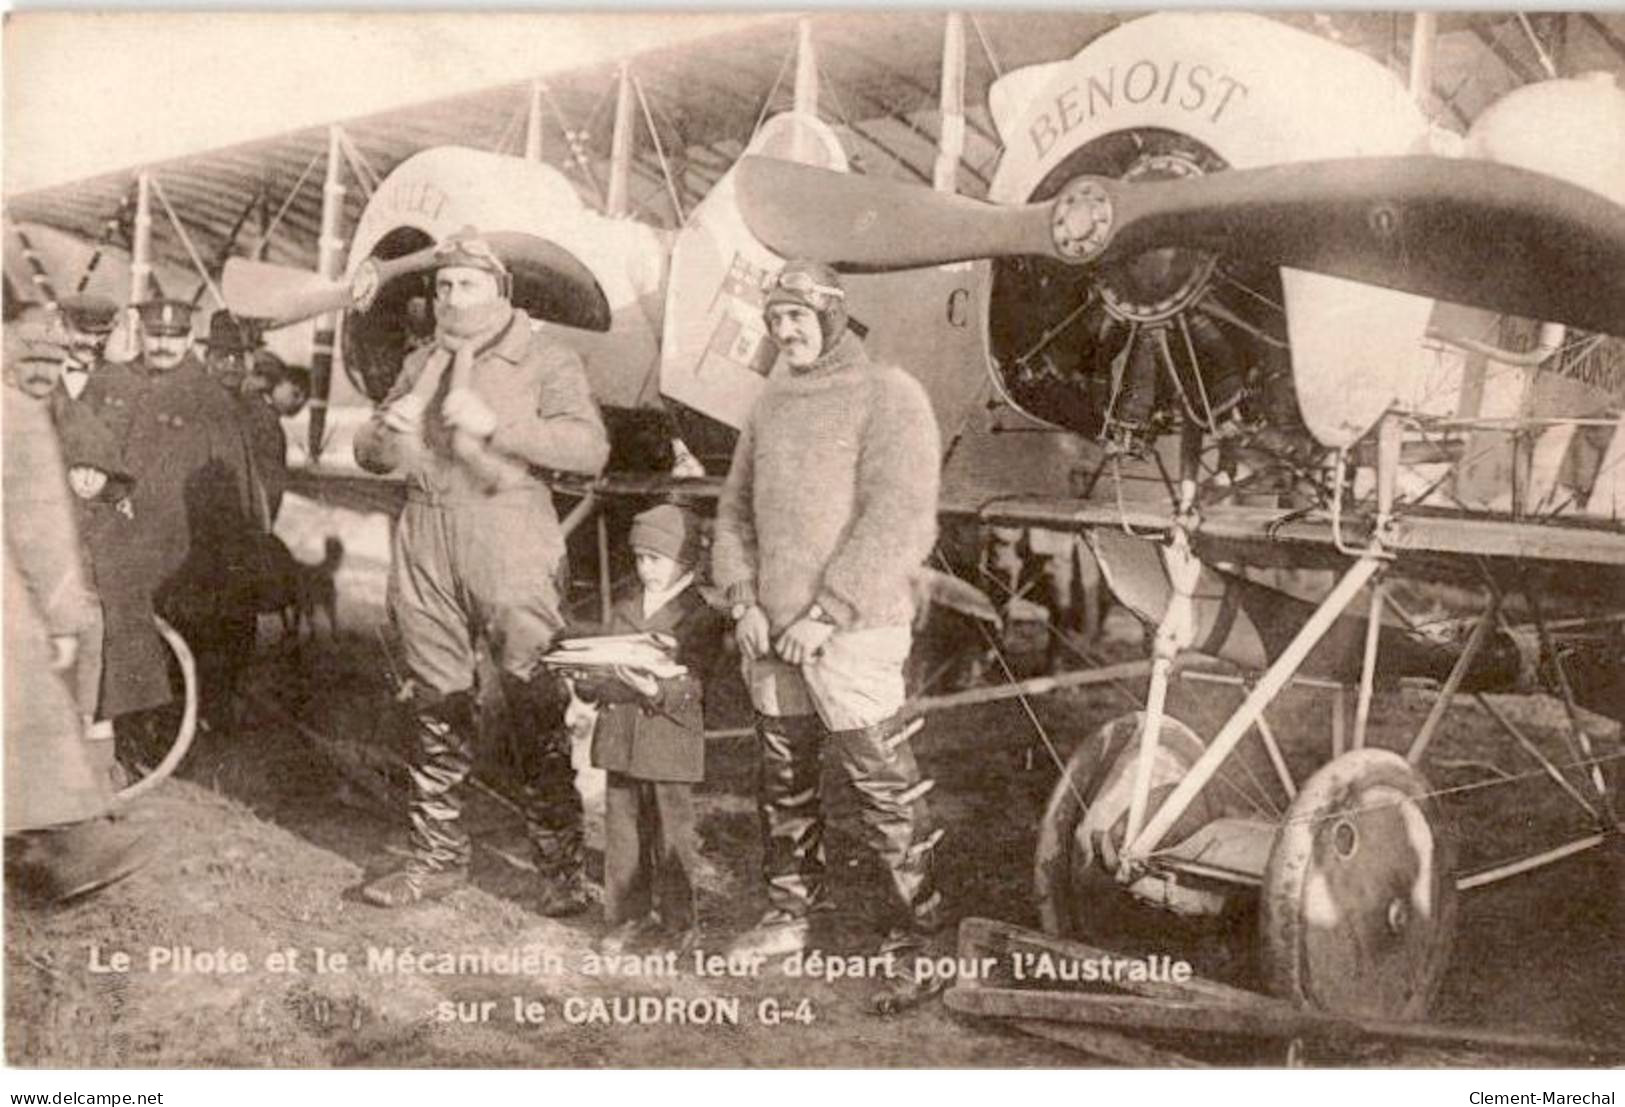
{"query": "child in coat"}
(650, 740)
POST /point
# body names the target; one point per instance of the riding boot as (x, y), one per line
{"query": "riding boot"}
(444, 733)
(891, 809)
(792, 824)
(881, 766)
(553, 814)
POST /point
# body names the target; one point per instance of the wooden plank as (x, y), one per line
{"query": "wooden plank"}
(989, 937)
(1267, 1019)
(1108, 1045)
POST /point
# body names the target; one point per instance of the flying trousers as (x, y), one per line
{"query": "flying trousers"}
(476, 554)
(848, 699)
(831, 502)
(461, 570)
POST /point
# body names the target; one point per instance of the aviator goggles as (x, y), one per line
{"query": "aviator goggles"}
(471, 252)
(802, 284)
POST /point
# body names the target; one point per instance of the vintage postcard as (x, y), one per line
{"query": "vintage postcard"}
(1098, 534)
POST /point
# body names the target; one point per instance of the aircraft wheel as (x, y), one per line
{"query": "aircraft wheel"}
(188, 725)
(1081, 834)
(1359, 898)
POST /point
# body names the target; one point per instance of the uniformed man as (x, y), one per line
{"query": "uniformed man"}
(87, 321)
(828, 511)
(474, 421)
(197, 505)
(108, 389)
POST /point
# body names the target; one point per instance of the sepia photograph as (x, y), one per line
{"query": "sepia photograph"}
(917, 539)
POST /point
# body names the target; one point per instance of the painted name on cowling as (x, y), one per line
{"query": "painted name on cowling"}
(1195, 88)
(417, 197)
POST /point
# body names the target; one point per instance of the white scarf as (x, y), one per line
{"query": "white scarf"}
(654, 600)
(457, 348)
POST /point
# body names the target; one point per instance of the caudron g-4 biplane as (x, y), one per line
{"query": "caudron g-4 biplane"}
(1224, 234)
(1292, 348)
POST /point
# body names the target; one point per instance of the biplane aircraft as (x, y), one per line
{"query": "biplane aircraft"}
(1199, 238)
(1316, 333)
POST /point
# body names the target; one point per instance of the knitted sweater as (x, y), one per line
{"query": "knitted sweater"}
(832, 495)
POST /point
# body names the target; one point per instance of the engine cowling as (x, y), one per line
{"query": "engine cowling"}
(613, 319)
(1123, 350)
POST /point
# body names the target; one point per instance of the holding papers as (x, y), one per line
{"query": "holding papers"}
(650, 652)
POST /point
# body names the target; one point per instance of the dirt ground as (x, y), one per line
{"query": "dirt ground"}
(267, 834)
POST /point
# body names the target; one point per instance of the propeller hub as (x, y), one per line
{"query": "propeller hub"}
(1157, 284)
(1081, 220)
(364, 285)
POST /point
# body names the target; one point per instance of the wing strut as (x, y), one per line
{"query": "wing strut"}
(329, 264)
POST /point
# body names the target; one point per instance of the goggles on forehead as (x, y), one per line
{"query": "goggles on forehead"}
(475, 252)
(803, 284)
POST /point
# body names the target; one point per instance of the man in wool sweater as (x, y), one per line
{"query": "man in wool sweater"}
(829, 508)
(471, 422)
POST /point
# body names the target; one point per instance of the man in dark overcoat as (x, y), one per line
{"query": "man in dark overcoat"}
(197, 504)
(107, 389)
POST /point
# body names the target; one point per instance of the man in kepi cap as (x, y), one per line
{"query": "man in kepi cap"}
(166, 334)
(88, 321)
(828, 510)
(109, 390)
(473, 421)
(197, 506)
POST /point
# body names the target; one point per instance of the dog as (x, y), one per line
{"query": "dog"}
(296, 591)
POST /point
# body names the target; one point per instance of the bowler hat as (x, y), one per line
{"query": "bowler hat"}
(230, 335)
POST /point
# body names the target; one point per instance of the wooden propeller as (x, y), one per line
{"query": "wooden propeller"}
(1466, 231)
(284, 295)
